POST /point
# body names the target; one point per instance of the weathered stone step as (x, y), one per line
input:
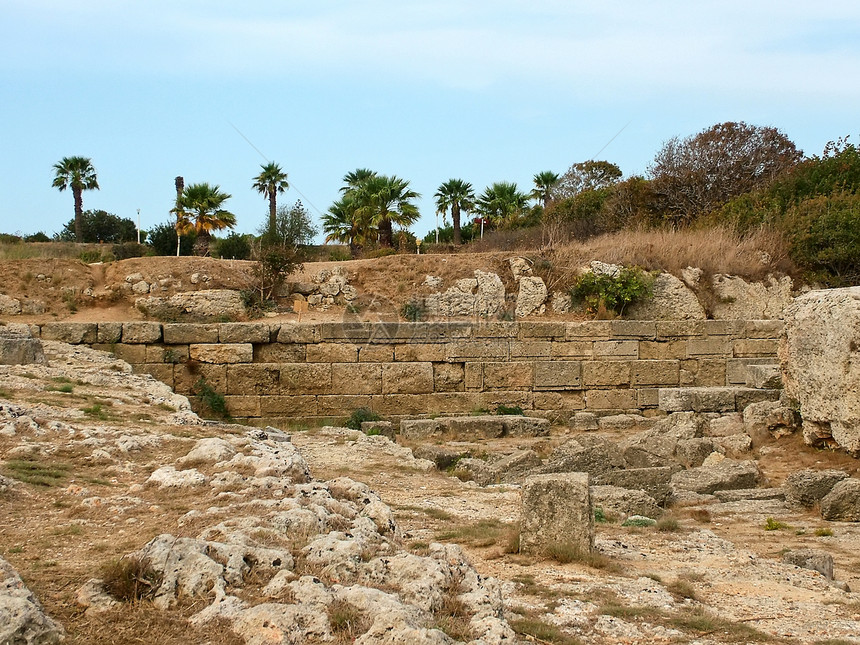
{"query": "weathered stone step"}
(712, 399)
(746, 494)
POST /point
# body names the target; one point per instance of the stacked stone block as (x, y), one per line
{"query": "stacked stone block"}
(288, 370)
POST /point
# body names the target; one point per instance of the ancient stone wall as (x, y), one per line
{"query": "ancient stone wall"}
(269, 372)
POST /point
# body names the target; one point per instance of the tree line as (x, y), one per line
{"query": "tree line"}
(733, 172)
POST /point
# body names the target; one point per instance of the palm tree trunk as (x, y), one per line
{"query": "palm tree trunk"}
(385, 233)
(79, 214)
(201, 244)
(272, 217)
(455, 218)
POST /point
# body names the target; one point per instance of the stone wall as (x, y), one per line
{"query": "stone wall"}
(285, 371)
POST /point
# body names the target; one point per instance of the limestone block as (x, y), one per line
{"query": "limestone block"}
(508, 376)
(764, 376)
(623, 502)
(726, 474)
(474, 376)
(306, 378)
(820, 358)
(332, 353)
(542, 330)
(376, 353)
(737, 299)
(128, 353)
(762, 328)
(185, 378)
(556, 509)
(179, 333)
(254, 378)
(490, 294)
(289, 406)
(648, 397)
(584, 422)
(222, 354)
(702, 372)
(72, 333)
(559, 401)
(605, 373)
(384, 428)
(18, 347)
(356, 378)
(593, 454)
(655, 373)
(158, 371)
(572, 349)
(634, 329)
(244, 333)
(769, 419)
(588, 330)
(434, 352)
(109, 332)
(243, 406)
(746, 348)
(399, 404)
(339, 404)
(709, 347)
(496, 329)
(611, 399)
(9, 306)
(478, 349)
(557, 375)
(24, 621)
(738, 369)
(407, 378)
(662, 349)
(279, 353)
(616, 349)
(530, 349)
(298, 333)
(448, 377)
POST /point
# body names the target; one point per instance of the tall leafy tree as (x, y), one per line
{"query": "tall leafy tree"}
(343, 224)
(386, 200)
(503, 203)
(544, 183)
(201, 208)
(78, 174)
(457, 196)
(352, 180)
(271, 181)
(585, 176)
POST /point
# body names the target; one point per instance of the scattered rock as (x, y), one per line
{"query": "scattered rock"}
(18, 347)
(22, 620)
(592, 454)
(842, 503)
(531, 297)
(9, 306)
(769, 419)
(624, 501)
(520, 267)
(169, 477)
(808, 487)
(432, 281)
(206, 303)
(726, 474)
(812, 559)
(737, 299)
(561, 302)
(671, 300)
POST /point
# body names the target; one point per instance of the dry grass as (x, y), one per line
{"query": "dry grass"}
(714, 250)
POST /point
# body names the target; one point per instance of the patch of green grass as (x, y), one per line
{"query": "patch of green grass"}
(4, 393)
(482, 533)
(66, 388)
(639, 521)
(771, 524)
(510, 410)
(627, 612)
(542, 632)
(727, 631)
(16, 549)
(38, 474)
(359, 416)
(96, 411)
(824, 531)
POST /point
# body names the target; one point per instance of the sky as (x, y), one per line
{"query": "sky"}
(425, 90)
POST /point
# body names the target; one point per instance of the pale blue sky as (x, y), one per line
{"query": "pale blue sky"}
(483, 91)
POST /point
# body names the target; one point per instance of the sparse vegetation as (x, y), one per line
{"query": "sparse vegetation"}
(513, 410)
(37, 473)
(212, 402)
(359, 416)
(568, 552)
(542, 632)
(771, 524)
(131, 579)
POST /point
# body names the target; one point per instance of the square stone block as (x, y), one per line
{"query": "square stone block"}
(259, 332)
(605, 373)
(557, 375)
(492, 349)
(256, 378)
(508, 376)
(376, 353)
(332, 353)
(420, 352)
(556, 510)
(141, 332)
(530, 349)
(655, 373)
(298, 333)
(407, 378)
(448, 377)
(356, 378)
(217, 353)
(572, 349)
(279, 353)
(611, 399)
(178, 333)
(616, 349)
(306, 378)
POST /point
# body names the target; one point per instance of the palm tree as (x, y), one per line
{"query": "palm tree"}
(502, 202)
(271, 181)
(383, 201)
(342, 224)
(79, 174)
(201, 208)
(352, 180)
(544, 183)
(456, 195)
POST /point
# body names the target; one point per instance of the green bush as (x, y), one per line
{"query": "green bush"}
(359, 416)
(825, 236)
(233, 247)
(413, 311)
(614, 293)
(211, 400)
(513, 410)
(129, 250)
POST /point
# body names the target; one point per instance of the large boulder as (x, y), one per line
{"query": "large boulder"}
(769, 419)
(624, 502)
(808, 487)
(820, 358)
(671, 299)
(490, 295)
(812, 559)
(842, 503)
(737, 299)
(594, 455)
(22, 620)
(531, 297)
(662, 444)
